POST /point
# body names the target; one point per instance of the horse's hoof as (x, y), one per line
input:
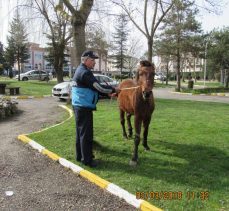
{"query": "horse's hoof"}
(146, 148)
(133, 163)
(125, 137)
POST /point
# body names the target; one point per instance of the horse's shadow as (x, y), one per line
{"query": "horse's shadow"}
(185, 164)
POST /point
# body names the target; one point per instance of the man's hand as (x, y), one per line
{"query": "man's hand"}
(117, 90)
(113, 95)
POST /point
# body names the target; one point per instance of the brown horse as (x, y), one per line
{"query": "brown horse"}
(136, 98)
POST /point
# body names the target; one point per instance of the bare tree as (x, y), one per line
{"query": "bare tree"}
(132, 59)
(160, 8)
(79, 15)
(60, 33)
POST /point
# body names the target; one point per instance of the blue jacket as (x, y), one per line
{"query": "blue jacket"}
(84, 97)
(84, 92)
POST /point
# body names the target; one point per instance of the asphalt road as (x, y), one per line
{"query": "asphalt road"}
(167, 93)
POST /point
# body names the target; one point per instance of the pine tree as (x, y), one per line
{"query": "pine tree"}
(95, 40)
(17, 50)
(218, 54)
(56, 50)
(2, 60)
(179, 26)
(120, 37)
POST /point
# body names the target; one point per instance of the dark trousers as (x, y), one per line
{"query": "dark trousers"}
(84, 134)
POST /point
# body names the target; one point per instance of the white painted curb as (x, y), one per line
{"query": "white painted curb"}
(130, 198)
(36, 146)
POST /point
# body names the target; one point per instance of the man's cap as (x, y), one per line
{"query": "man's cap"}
(90, 54)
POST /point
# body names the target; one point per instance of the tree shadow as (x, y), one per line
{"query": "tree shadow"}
(186, 164)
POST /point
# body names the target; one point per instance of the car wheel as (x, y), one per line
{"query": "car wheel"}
(25, 79)
(46, 79)
(62, 99)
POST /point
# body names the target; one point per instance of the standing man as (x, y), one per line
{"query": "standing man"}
(84, 99)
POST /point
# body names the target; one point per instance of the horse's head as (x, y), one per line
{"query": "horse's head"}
(145, 78)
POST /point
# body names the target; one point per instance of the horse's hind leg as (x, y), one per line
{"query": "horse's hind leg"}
(130, 129)
(137, 124)
(146, 123)
(122, 120)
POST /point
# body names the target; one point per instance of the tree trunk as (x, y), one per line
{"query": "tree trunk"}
(195, 69)
(221, 76)
(178, 71)
(167, 72)
(226, 78)
(59, 76)
(79, 19)
(58, 66)
(79, 40)
(150, 49)
(19, 68)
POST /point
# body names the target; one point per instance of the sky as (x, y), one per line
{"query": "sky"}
(209, 21)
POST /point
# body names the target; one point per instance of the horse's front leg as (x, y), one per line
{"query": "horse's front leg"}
(137, 125)
(122, 120)
(130, 130)
(146, 123)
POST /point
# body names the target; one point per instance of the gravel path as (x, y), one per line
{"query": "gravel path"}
(37, 182)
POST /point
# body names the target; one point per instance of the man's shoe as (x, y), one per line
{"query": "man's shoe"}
(92, 164)
(78, 159)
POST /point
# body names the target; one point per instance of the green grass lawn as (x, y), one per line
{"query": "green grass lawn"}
(209, 83)
(199, 83)
(31, 88)
(189, 153)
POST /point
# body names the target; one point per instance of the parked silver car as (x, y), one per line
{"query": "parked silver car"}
(63, 90)
(34, 75)
(160, 76)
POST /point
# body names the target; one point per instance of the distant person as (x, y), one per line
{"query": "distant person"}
(85, 93)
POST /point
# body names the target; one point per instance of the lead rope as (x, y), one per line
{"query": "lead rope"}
(135, 87)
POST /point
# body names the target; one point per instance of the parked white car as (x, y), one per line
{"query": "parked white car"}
(34, 75)
(160, 76)
(63, 90)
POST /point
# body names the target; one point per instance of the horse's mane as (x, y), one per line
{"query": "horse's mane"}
(145, 63)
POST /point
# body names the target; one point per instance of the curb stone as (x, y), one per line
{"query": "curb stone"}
(110, 187)
(22, 97)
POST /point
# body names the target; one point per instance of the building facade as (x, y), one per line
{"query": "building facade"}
(37, 60)
(189, 64)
